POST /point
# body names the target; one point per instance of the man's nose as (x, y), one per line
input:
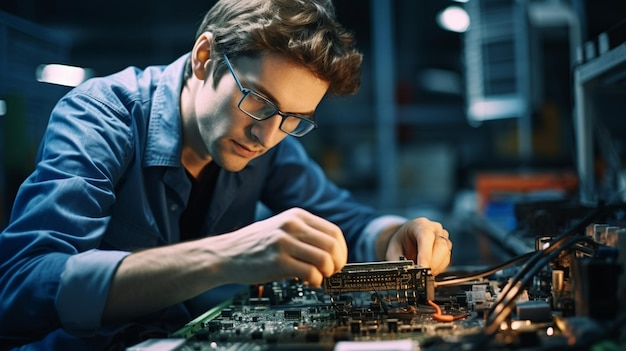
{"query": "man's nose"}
(267, 131)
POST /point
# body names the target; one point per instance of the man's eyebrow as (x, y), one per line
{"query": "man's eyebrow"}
(259, 88)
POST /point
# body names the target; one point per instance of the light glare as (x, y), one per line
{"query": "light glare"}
(3, 108)
(70, 76)
(454, 18)
(495, 108)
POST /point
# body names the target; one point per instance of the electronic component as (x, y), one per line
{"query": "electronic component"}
(411, 283)
(534, 311)
(544, 299)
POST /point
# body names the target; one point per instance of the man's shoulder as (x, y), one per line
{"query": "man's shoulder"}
(129, 84)
(133, 85)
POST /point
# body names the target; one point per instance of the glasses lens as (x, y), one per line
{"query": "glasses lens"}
(291, 124)
(257, 106)
(260, 108)
(296, 126)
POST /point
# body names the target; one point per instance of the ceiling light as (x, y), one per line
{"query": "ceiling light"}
(454, 19)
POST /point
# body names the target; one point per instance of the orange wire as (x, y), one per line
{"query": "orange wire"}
(260, 290)
(444, 317)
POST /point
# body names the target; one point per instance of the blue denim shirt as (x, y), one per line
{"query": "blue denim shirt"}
(108, 181)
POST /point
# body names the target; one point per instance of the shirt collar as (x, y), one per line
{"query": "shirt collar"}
(164, 139)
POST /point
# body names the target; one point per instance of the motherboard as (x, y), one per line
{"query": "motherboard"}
(390, 302)
(566, 293)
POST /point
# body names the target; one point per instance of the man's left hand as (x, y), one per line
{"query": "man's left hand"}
(425, 242)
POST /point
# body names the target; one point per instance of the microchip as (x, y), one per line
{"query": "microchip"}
(293, 314)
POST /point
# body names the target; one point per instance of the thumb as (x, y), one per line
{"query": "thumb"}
(394, 250)
(424, 257)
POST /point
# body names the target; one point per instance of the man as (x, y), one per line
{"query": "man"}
(143, 199)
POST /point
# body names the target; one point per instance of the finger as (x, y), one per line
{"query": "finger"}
(336, 248)
(312, 255)
(425, 244)
(320, 233)
(296, 268)
(394, 250)
(443, 234)
(330, 229)
(442, 250)
(442, 238)
(441, 257)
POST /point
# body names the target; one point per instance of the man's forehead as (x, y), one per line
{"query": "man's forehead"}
(293, 87)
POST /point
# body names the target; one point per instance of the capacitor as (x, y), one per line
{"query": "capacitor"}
(392, 325)
(355, 326)
(558, 278)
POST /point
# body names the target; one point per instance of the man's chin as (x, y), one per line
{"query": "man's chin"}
(235, 166)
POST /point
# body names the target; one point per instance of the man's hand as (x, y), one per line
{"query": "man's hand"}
(294, 243)
(425, 242)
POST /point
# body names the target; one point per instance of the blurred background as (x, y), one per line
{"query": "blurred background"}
(467, 108)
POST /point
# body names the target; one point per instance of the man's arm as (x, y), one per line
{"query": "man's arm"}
(294, 243)
(59, 215)
(296, 180)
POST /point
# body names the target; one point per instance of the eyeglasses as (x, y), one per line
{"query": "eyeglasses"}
(260, 108)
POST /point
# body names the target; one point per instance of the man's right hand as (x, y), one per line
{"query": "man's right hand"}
(294, 243)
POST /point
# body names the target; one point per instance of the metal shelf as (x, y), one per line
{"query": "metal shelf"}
(604, 64)
(602, 72)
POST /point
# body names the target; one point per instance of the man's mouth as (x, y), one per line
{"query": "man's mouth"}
(245, 151)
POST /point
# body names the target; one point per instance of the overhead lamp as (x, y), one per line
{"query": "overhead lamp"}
(454, 19)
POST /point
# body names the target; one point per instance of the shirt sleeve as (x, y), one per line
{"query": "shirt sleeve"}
(84, 287)
(365, 244)
(50, 274)
(296, 180)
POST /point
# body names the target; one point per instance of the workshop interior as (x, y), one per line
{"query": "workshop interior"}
(502, 119)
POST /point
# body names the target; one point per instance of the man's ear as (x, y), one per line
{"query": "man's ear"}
(201, 55)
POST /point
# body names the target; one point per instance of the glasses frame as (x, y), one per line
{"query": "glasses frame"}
(308, 119)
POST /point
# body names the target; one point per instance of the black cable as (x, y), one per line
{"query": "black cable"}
(508, 301)
(536, 262)
(481, 274)
(555, 244)
(492, 324)
(543, 260)
(483, 338)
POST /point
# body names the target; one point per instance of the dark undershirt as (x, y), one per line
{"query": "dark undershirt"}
(202, 188)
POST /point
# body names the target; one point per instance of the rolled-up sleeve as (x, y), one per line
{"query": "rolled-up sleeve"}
(365, 246)
(50, 274)
(84, 287)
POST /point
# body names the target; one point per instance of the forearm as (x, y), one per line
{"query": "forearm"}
(294, 243)
(149, 280)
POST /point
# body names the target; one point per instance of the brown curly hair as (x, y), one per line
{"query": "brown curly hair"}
(305, 31)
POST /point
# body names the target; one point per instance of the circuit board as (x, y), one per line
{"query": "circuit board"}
(398, 306)
(567, 294)
(366, 306)
(374, 302)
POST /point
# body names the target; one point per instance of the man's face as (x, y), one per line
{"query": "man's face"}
(231, 137)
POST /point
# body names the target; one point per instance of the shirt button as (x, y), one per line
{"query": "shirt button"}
(173, 207)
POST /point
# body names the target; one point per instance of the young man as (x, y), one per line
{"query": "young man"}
(143, 199)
